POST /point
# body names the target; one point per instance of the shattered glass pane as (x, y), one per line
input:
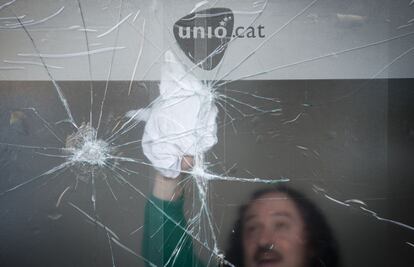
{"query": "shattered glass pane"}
(314, 95)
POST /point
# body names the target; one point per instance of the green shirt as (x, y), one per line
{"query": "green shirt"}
(164, 242)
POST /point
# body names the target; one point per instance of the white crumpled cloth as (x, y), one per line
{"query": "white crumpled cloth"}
(180, 122)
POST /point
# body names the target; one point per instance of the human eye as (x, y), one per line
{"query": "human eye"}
(281, 225)
(250, 229)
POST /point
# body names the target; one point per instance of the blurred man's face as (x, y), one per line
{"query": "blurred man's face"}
(274, 233)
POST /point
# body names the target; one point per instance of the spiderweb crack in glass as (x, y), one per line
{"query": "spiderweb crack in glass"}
(96, 151)
(85, 148)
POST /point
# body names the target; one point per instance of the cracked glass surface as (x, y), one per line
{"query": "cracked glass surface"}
(321, 101)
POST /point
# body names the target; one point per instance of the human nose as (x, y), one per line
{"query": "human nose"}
(266, 237)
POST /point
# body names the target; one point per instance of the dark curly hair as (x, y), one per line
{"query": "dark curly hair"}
(320, 239)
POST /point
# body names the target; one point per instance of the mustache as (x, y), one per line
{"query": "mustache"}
(264, 251)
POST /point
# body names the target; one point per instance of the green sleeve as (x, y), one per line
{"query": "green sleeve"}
(164, 242)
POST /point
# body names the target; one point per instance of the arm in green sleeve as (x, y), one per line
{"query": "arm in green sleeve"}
(164, 242)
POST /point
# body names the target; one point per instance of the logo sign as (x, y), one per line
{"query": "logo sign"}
(203, 35)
